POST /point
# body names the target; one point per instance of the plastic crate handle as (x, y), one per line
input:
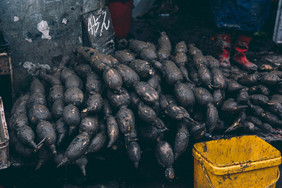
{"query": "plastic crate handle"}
(211, 185)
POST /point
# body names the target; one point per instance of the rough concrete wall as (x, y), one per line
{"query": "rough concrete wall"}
(40, 32)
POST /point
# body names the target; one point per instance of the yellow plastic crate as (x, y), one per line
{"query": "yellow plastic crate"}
(246, 161)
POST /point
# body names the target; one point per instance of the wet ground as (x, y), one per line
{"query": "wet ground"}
(117, 171)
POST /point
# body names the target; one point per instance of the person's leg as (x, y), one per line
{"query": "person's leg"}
(121, 12)
(241, 45)
(223, 43)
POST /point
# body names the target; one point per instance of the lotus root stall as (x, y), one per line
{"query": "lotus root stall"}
(140, 94)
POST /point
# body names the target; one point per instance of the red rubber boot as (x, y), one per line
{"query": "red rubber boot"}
(223, 52)
(240, 47)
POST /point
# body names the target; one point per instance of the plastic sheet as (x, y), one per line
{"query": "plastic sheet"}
(240, 14)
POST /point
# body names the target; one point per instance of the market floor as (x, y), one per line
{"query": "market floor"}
(107, 174)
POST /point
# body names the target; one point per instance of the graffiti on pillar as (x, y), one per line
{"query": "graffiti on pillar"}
(98, 23)
(99, 30)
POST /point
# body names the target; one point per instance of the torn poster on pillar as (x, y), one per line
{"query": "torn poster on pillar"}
(44, 29)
